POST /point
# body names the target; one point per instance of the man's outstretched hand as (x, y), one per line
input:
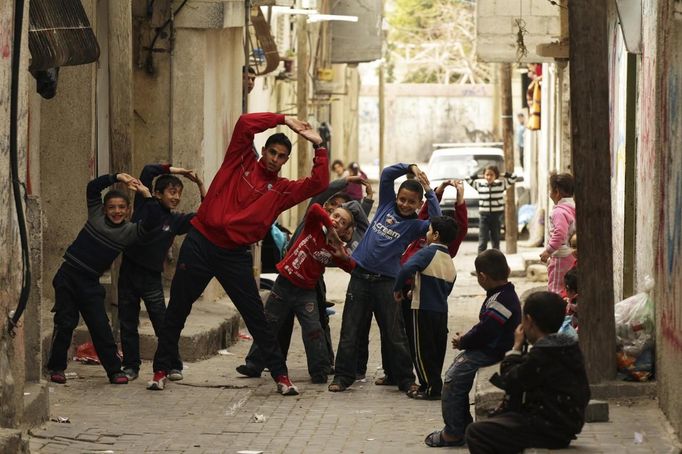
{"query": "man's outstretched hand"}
(297, 125)
(311, 135)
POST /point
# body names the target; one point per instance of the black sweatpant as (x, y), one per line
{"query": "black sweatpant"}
(136, 282)
(510, 433)
(427, 332)
(199, 261)
(77, 292)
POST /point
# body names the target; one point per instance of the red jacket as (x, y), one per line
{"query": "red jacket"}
(462, 219)
(244, 198)
(310, 255)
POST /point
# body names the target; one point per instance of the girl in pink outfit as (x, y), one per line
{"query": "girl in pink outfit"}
(558, 254)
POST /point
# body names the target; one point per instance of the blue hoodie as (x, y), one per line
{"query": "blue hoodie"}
(390, 233)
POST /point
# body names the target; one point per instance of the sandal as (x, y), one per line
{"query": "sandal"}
(412, 390)
(436, 440)
(423, 395)
(384, 381)
(336, 388)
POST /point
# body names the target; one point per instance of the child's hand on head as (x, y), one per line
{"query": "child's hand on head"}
(424, 181)
(519, 338)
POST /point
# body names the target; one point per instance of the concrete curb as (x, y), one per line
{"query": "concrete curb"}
(13, 442)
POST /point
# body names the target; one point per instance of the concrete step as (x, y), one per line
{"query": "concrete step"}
(36, 404)
(13, 442)
(212, 326)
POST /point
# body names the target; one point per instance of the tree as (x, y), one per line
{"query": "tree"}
(433, 41)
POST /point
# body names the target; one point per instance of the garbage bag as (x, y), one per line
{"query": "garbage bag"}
(635, 335)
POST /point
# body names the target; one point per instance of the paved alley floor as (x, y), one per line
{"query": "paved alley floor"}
(213, 410)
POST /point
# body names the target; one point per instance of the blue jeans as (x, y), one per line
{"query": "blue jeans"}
(366, 294)
(458, 382)
(489, 230)
(286, 298)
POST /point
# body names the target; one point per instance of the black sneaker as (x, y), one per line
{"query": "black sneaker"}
(248, 371)
(131, 373)
(318, 379)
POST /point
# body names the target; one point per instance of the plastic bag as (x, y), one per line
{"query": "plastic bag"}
(86, 354)
(635, 334)
(567, 327)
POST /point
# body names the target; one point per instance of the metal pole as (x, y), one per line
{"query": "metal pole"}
(510, 220)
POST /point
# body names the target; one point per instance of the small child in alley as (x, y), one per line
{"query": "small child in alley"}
(490, 204)
(434, 277)
(546, 389)
(484, 345)
(142, 264)
(558, 254)
(76, 285)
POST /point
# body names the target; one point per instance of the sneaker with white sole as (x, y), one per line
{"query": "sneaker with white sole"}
(285, 387)
(131, 373)
(175, 375)
(158, 382)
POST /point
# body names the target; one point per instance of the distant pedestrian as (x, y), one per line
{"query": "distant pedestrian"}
(558, 254)
(142, 264)
(370, 289)
(571, 295)
(546, 389)
(354, 190)
(484, 345)
(77, 289)
(434, 275)
(339, 168)
(490, 204)
(520, 137)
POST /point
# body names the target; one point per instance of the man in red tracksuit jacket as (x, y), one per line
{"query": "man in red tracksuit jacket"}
(243, 201)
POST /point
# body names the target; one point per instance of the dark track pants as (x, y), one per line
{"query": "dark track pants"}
(200, 261)
(427, 332)
(79, 293)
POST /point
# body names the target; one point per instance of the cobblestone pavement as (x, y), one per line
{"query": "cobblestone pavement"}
(213, 410)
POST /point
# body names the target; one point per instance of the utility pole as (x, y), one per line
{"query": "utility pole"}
(591, 163)
(511, 230)
(303, 150)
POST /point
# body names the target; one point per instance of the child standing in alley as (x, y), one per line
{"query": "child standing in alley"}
(558, 254)
(142, 264)
(434, 276)
(319, 245)
(370, 289)
(490, 204)
(76, 284)
(484, 345)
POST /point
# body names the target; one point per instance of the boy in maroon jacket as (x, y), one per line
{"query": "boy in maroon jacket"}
(243, 201)
(319, 245)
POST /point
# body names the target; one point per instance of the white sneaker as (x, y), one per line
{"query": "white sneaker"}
(175, 375)
(158, 382)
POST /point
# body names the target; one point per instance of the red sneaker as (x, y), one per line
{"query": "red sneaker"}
(158, 382)
(57, 376)
(285, 387)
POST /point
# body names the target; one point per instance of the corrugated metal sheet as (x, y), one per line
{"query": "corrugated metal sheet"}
(60, 35)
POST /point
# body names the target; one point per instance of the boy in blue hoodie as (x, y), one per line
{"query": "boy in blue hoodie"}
(484, 345)
(370, 289)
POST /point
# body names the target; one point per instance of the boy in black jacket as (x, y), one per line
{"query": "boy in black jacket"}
(142, 265)
(76, 285)
(546, 389)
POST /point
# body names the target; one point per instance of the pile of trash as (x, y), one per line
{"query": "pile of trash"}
(635, 336)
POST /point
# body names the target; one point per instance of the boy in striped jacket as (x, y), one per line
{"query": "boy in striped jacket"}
(490, 204)
(484, 345)
(434, 276)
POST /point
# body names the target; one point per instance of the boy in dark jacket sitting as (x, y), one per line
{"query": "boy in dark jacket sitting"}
(546, 389)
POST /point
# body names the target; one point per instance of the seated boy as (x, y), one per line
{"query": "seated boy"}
(435, 277)
(484, 345)
(294, 289)
(142, 265)
(546, 388)
(76, 284)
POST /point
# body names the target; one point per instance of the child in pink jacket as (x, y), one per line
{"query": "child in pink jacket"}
(558, 253)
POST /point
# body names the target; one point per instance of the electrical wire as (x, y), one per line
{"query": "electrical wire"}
(149, 62)
(14, 168)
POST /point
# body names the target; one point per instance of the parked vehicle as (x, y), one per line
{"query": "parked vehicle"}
(459, 161)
